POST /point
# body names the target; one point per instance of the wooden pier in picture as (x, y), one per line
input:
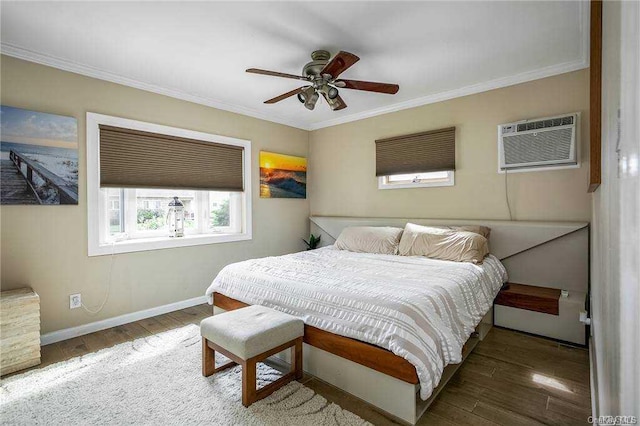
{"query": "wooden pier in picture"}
(18, 185)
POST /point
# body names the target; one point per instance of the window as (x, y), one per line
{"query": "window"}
(416, 180)
(417, 160)
(143, 212)
(134, 219)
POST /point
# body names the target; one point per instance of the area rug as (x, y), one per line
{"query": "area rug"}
(156, 381)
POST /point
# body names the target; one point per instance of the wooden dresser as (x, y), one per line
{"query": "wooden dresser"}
(19, 330)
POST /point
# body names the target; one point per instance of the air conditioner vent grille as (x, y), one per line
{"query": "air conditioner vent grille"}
(543, 124)
(552, 146)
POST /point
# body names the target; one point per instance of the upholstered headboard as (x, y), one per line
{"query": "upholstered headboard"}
(550, 254)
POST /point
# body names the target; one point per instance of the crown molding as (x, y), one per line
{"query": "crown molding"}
(89, 71)
(457, 93)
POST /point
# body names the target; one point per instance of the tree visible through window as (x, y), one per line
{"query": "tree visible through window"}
(150, 219)
(219, 209)
(220, 216)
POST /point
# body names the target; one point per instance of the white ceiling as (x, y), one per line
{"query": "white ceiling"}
(199, 51)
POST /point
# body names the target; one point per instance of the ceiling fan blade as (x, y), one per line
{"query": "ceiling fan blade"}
(275, 74)
(284, 96)
(336, 104)
(339, 64)
(369, 86)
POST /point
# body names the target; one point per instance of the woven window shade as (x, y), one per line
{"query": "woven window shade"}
(136, 159)
(431, 151)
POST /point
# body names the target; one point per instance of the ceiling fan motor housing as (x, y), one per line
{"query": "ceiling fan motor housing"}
(320, 58)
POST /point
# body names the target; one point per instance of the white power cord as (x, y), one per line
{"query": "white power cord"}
(506, 194)
(106, 297)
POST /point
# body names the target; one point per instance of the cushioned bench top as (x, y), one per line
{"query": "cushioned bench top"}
(251, 331)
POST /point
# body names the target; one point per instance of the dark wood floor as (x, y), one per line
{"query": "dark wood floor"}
(509, 379)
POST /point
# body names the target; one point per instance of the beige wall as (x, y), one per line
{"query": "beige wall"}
(342, 159)
(45, 247)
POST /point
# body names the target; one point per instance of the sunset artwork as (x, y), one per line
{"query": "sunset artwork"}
(282, 176)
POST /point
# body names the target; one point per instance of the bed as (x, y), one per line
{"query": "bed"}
(387, 325)
(422, 310)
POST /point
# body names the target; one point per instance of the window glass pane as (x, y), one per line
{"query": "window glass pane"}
(114, 210)
(152, 206)
(219, 209)
(417, 176)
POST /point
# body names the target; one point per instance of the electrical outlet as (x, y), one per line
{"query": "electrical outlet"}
(75, 301)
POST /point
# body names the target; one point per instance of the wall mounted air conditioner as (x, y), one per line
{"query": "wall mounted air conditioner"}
(538, 144)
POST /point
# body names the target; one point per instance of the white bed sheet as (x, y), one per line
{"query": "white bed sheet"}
(418, 308)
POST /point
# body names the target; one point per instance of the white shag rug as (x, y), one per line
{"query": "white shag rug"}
(156, 381)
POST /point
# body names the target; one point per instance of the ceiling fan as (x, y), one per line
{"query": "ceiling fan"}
(322, 76)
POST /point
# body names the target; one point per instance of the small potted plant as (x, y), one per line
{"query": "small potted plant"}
(313, 242)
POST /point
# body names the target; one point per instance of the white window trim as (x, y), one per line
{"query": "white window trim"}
(97, 241)
(450, 181)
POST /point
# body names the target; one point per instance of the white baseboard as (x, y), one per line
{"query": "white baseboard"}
(81, 330)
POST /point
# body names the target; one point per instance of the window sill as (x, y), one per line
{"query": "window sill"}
(413, 185)
(158, 243)
(382, 185)
(425, 183)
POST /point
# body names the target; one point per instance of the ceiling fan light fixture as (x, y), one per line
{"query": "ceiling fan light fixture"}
(306, 94)
(310, 104)
(332, 93)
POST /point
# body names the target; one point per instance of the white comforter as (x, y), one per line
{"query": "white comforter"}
(420, 309)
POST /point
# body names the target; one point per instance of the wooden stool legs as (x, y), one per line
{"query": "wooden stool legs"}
(209, 360)
(249, 392)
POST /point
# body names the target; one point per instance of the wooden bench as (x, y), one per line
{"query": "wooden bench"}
(247, 336)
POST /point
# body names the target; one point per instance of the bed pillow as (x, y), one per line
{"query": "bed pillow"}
(370, 239)
(485, 231)
(443, 244)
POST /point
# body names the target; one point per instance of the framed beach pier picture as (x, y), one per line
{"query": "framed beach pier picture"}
(39, 157)
(282, 176)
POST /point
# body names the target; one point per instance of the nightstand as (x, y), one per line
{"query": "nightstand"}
(542, 311)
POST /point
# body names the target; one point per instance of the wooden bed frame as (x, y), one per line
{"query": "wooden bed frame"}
(366, 354)
(402, 383)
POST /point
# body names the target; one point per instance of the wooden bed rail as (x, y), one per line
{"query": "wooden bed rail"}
(359, 352)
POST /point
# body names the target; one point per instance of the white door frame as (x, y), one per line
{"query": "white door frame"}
(629, 209)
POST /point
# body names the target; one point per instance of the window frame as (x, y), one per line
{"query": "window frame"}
(97, 204)
(383, 182)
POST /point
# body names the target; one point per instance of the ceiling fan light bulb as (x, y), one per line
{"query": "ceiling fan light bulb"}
(301, 97)
(311, 102)
(332, 93)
